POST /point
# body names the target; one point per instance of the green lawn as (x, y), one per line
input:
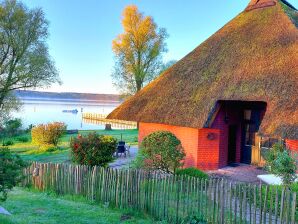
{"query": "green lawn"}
(30, 152)
(28, 207)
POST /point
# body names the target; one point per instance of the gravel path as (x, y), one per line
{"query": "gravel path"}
(240, 173)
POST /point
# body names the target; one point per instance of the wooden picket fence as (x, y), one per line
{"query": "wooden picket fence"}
(177, 199)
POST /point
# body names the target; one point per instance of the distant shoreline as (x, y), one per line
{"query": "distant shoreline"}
(66, 100)
(26, 95)
(76, 102)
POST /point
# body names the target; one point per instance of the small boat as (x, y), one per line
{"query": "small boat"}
(75, 111)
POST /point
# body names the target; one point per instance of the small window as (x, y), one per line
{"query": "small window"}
(247, 115)
(249, 134)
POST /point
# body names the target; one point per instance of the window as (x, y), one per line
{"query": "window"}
(249, 134)
(247, 115)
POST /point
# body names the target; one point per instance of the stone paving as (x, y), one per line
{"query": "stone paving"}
(123, 162)
(241, 173)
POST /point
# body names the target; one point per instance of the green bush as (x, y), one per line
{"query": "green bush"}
(94, 149)
(161, 150)
(23, 139)
(11, 128)
(48, 134)
(280, 162)
(7, 143)
(11, 169)
(193, 172)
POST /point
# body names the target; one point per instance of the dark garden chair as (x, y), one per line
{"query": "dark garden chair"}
(122, 149)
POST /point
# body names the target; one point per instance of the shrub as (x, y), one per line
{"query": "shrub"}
(161, 150)
(193, 172)
(7, 143)
(94, 149)
(11, 169)
(280, 162)
(47, 134)
(23, 139)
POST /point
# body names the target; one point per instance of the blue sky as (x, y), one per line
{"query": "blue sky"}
(81, 33)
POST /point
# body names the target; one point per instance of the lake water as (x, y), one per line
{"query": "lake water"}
(36, 111)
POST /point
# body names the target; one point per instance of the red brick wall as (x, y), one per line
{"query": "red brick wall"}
(208, 149)
(200, 151)
(292, 145)
(187, 136)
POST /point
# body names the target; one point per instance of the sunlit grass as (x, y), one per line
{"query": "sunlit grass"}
(31, 152)
(33, 207)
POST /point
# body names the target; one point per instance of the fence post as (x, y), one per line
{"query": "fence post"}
(293, 208)
(222, 202)
(230, 203)
(282, 205)
(265, 204)
(177, 199)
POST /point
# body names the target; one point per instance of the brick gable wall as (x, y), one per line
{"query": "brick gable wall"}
(201, 152)
(187, 136)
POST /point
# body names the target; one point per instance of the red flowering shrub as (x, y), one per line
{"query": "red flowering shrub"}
(93, 149)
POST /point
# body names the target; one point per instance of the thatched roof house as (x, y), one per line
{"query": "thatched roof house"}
(248, 70)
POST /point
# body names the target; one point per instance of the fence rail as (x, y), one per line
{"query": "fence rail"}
(176, 199)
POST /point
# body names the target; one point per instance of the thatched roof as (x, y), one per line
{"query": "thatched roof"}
(252, 58)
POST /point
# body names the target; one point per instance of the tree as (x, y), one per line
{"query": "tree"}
(24, 58)
(160, 150)
(11, 171)
(137, 51)
(12, 127)
(10, 103)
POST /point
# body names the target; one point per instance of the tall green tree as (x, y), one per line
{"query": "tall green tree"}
(24, 58)
(138, 51)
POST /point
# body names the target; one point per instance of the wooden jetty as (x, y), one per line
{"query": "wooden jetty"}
(95, 118)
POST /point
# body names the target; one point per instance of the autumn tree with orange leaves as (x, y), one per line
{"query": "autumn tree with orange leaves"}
(138, 51)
